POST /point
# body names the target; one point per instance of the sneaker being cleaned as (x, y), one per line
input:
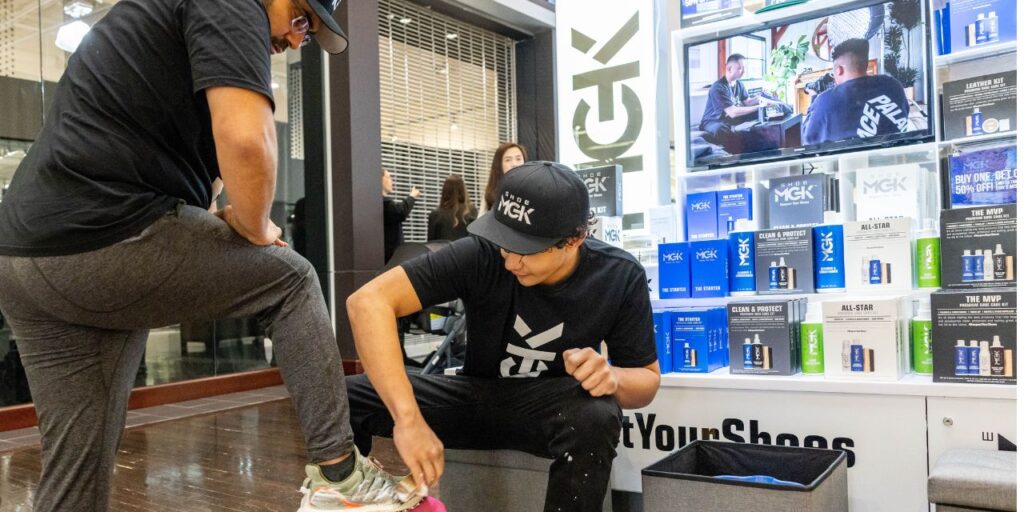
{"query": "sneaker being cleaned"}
(368, 489)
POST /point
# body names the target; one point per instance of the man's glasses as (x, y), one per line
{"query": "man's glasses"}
(301, 24)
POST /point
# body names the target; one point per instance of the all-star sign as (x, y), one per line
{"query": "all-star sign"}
(611, 74)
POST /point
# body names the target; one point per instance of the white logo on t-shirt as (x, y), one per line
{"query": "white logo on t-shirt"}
(874, 109)
(528, 362)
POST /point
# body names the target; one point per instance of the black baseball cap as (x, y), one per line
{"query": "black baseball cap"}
(333, 40)
(539, 205)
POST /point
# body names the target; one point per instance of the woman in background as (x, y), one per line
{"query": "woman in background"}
(449, 220)
(508, 156)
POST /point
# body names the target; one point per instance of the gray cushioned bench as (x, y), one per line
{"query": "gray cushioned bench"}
(496, 481)
(974, 480)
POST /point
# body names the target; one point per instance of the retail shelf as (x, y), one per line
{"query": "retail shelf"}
(910, 385)
(797, 161)
(811, 297)
(976, 53)
(979, 138)
(752, 21)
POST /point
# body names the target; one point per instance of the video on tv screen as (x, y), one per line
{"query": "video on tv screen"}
(848, 80)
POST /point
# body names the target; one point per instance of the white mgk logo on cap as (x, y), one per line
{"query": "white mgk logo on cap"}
(515, 208)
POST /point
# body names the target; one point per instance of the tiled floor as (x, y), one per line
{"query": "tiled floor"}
(27, 437)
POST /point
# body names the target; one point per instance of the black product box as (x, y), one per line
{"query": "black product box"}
(798, 200)
(979, 247)
(979, 106)
(784, 260)
(764, 336)
(604, 185)
(974, 336)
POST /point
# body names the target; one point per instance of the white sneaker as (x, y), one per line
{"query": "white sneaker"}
(368, 489)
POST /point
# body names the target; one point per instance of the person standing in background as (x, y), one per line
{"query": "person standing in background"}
(395, 213)
(508, 156)
(449, 220)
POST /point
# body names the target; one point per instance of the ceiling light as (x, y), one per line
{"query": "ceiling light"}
(78, 8)
(405, 21)
(451, 36)
(70, 35)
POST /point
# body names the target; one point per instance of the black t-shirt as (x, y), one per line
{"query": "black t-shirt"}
(128, 135)
(720, 97)
(518, 331)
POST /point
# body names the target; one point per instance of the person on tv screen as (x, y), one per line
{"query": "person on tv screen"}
(859, 106)
(728, 103)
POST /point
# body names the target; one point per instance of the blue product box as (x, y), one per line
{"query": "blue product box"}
(741, 263)
(697, 340)
(985, 177)
(964, 25)
(702, 216)
(674, 270)
(734, 205)
(663, 339)
(709, 268)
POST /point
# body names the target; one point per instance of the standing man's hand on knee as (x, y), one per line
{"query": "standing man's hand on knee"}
(421, 450)
(272, 235)
(592, 370)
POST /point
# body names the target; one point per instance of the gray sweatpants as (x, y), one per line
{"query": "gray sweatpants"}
(81, 322)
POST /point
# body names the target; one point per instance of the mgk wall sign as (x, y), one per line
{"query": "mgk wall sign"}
(610, 78)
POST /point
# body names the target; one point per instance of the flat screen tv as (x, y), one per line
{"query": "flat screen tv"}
(855, 78)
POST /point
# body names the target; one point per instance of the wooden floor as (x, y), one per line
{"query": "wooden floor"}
(248, 459)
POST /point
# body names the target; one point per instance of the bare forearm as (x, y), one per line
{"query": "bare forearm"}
(739, 111)
(249, 171)
(637, 386)
(376, 340)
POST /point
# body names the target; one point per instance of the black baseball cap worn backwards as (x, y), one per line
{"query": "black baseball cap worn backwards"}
(330, 37)
(539, 205)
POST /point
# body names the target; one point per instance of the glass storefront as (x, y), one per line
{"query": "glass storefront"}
(37, 38)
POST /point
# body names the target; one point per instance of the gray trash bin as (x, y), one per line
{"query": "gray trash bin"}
(687, 479)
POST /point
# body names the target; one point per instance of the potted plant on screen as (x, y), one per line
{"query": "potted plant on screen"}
(905, 15)
(782, 65)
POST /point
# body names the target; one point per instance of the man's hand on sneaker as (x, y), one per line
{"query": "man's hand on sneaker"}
(270, 236)
(421, 450)
(592, 370)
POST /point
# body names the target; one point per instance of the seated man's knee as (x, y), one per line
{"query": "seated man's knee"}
(599, 418)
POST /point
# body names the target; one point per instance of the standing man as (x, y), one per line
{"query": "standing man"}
(859, 106)
(540, 299)
(105, 233)
(395, 213)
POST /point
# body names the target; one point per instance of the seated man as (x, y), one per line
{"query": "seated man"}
(859, 106)
(540, 298)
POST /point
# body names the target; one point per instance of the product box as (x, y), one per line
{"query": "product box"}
(663, 339)
(797, 200)
(733, 206)
(698, 336)
(866, 338)
(607, 230)
(829, 258)
(966, 24)
(979, 247)
(764, 336)
(979, 106)
(878, 255)
(674, 270)
(604, 185)
(652, 280)
(699, 12)
(709, 268)
(663, 223)
(974, 336)
(982, 177)
(742, 279)
(784, 259)
(890, 192)
(701, 216)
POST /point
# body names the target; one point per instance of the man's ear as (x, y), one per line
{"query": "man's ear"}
(575, 242)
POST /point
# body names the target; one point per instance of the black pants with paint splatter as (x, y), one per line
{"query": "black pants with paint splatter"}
(548, 417)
